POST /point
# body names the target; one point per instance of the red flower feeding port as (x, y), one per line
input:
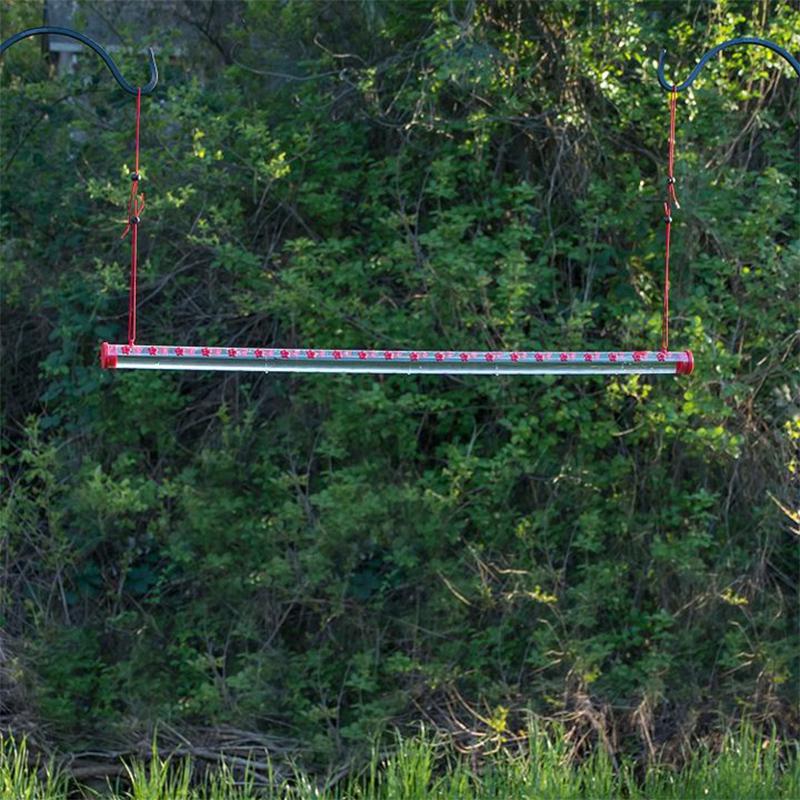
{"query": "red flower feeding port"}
(406, 362)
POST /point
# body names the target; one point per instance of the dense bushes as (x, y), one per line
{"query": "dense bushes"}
(325, 555)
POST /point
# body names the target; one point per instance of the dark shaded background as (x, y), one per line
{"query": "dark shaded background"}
(318, 558)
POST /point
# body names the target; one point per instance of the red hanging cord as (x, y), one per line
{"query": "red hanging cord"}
(135, 209)
(673, 105)
(672, 198)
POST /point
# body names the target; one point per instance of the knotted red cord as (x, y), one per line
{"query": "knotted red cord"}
(135, 209)
(672, 197)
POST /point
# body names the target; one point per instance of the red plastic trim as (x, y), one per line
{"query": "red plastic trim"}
(685, 367)
(107, 361)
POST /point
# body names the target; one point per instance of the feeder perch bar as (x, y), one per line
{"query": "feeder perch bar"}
(403, 362)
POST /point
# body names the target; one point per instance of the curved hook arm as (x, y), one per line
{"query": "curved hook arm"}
(45, 30)
(665, 84)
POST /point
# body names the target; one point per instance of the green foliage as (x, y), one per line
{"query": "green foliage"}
(745, 768)
(26, 778)
(325, 555)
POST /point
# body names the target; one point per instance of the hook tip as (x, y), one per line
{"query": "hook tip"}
(662, 80)
(153, 72)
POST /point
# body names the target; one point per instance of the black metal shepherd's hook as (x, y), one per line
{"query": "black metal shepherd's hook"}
(44, 31)
(665, 84)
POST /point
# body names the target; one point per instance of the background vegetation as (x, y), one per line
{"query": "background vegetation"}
(311, 560)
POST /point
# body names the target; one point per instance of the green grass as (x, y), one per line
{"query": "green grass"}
(745, 768)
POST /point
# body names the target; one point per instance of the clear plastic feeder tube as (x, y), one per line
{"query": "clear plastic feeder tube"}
(405, 362)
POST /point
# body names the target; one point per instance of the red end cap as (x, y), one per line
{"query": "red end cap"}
(107, 361)
(685, 367)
